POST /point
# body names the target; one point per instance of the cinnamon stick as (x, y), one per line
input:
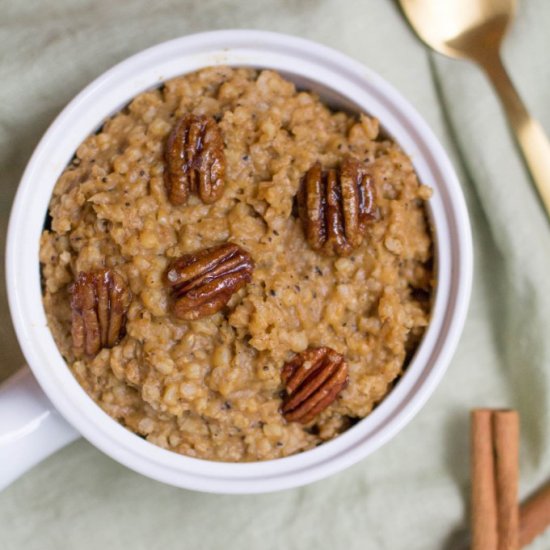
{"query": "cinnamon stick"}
(506, 446)
(484, 499)
(534, 516)
(495, 473)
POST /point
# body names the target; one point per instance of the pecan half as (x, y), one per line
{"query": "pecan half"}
(203, 283)
(195, 160)
(99, 302)
(313, 380)
(335, 206)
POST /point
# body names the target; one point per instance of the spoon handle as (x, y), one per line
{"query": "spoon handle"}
(530, 136)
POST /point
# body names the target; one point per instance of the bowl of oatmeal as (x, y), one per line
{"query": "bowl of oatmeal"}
(255, 264)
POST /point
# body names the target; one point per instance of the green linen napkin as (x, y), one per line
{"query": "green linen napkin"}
(413, 493)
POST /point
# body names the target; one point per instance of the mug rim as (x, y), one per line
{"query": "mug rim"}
(333, 71)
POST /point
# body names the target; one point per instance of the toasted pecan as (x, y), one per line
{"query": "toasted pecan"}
(335, 206)
(99, 302)
(313, 379)
(195, 160)
(203, 283)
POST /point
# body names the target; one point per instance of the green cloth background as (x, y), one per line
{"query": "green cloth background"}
(413, 493)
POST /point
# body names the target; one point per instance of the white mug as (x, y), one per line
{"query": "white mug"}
(46, 409)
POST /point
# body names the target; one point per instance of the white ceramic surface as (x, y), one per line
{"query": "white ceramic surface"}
(339, 80)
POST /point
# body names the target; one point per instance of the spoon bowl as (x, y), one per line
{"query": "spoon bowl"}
(461, 28)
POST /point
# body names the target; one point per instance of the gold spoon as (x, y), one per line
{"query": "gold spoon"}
(474, 30)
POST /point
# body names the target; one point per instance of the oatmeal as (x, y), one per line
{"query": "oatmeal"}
(130, 253)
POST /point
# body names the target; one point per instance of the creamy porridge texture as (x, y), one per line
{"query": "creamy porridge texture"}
(213, 387)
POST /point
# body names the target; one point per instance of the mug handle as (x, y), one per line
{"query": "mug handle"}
(30, 427)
